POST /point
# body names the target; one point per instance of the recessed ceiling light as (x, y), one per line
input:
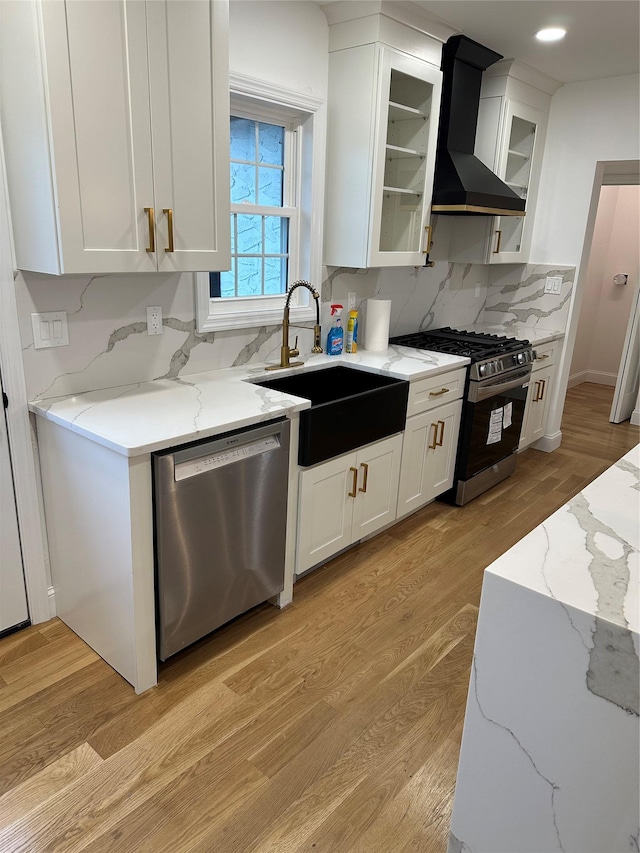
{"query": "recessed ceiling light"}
(551, 34)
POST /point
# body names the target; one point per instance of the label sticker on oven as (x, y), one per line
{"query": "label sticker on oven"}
(507, 417)
(495, 426)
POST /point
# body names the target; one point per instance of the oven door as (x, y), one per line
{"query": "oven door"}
(492, 421)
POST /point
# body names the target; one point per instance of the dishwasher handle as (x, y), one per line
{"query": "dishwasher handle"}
(227, 449)
(229, 440)
(221, 458)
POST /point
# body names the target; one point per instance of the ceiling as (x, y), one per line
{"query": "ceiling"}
(602, 35)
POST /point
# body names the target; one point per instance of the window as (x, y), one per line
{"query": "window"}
(275, 172)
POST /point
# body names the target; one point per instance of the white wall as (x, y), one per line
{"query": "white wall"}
(605, 306)
(284, 42)
(589, 122)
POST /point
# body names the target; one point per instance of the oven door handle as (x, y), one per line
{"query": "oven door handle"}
(479, 391)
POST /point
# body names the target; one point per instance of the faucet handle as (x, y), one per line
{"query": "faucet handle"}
(294, 351)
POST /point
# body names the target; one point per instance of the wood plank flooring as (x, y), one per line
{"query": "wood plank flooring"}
(332, 726)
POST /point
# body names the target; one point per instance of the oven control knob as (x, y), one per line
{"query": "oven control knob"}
(482, 369)
(520, 358)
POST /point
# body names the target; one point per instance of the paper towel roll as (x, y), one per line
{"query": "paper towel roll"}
(376, 329)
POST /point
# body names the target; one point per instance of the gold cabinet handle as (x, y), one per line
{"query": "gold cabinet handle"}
(439, 393)
(435, 437)
(542, 357)
(441, 439)
(496, 251)
(169, 213)
(363, 487)
(354, 485)
(152, 230)
(428, 229)
(543, 383)
(538, 395)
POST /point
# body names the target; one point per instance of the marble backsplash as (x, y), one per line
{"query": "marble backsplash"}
(516, 296)
(109, 345)
(421, 298)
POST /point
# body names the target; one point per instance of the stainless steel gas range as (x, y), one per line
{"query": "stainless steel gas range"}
(494, 403)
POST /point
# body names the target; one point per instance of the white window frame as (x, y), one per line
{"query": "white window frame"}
(304, 117)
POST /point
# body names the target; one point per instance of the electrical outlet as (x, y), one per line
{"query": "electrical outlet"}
(351, 300)
(50, 329)
(154, 320)
(553, 284)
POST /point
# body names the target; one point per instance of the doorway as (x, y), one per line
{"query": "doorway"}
(13, 596)
(606, 346)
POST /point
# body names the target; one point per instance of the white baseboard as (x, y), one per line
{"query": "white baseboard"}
(52, 602)
(577, 379)
(635, 417)
(599, 377)
(548, 443)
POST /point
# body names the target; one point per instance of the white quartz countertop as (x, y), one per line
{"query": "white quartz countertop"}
(148, 416)
(534, 334)
(549, 758)
(585, 555)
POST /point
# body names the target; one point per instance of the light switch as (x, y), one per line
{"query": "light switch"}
(50, 329)
(553, 284)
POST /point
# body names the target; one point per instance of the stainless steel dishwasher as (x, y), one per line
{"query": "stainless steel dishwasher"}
(220, 508)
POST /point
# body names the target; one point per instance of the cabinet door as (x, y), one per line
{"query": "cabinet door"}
(408, 108)
(441, 459)
(518, 130)
(98, 89)
(377, 494)
(327, 495)
(428, 456)
(537, 406)
(518, 166)
(383, 111)
(189, 82)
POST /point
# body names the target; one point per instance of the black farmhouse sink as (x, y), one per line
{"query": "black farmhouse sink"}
(349, 408)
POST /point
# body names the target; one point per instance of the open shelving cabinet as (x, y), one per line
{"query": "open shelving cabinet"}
(380, 173)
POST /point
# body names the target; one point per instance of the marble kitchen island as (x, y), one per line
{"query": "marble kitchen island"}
(550, 751)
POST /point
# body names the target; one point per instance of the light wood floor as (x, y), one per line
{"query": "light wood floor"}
(333, 725)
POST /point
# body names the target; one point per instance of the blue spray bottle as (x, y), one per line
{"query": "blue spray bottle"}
(335, 338)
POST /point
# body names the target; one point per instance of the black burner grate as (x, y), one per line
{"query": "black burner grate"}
(474, 345)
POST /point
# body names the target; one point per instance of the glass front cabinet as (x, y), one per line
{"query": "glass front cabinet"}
(509, 141)
(381, 145)
(512, 125)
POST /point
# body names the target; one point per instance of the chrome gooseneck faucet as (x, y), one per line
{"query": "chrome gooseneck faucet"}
(287, 352)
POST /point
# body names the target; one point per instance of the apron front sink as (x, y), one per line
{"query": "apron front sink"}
(349, 408)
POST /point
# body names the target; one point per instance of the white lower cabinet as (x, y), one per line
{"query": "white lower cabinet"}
(428, 456)
(537, 406)
(346, 499)
(539, 394)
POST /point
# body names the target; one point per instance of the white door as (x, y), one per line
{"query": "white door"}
(189, 86)
(441, 460)
(378, 474)
(13, 598)
(327, 494)
(626, 392)
(98, 77)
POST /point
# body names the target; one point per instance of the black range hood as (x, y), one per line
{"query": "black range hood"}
(463, 184)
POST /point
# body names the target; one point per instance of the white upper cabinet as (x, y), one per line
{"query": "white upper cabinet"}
(115, 116)
(511, 130)
(384, 105)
